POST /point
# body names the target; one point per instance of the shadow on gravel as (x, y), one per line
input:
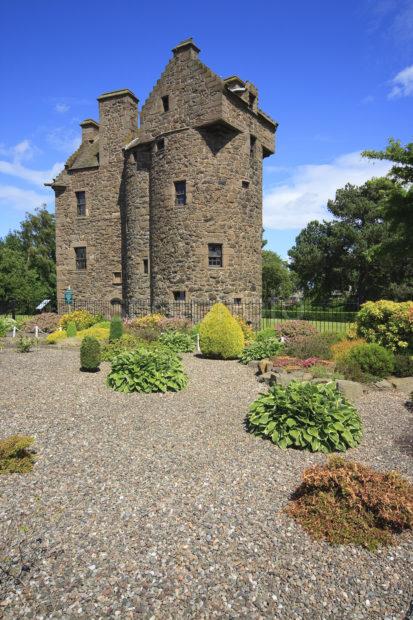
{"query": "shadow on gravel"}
(405, 443)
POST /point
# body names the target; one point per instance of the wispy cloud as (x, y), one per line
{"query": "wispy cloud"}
(14, 167)
(367, 99)
(303, 195)
(21, 199)
(402, 83)
(62, 108)
(63, 139)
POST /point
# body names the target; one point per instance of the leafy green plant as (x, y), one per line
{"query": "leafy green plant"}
(403, 365)
(345, 502)
(265, 334)
(147, 370)
(71, 329)
(306, 415)
(6, 325)
(370, 360)
(260, 349)
(116, 328)
(90, 354)
(24, 344)
(128, 342)
(179, 342)
(321, 371)
(388, 323)
(220, 335)
(16, 455)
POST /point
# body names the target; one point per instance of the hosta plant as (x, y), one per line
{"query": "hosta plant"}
(305, 415)
(179, 342)
(260, 349)
(147, 370)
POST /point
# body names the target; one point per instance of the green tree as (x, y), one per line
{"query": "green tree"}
(346, 254)
(277, 279)
(28, 259)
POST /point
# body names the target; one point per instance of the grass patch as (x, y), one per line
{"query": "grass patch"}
(344, 502)
(16, 457)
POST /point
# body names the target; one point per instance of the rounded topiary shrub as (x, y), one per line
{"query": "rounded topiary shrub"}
(306, 415)
(403, 365)
(71, 329)
(90, 354)
(372, 360)
(116, 328)
(220, 335)
(147, 370)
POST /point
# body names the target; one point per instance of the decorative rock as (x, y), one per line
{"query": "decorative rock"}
(254, 365)
(383, 385)
(265, 377)
(283, 378)
(307, 376)
(350, 389)
(404, 384)
(264, 366)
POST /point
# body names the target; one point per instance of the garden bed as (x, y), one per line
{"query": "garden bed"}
(162, 505)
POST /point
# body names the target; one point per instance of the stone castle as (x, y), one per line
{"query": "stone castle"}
(170, 210)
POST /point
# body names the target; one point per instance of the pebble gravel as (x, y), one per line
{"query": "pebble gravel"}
(163, 506)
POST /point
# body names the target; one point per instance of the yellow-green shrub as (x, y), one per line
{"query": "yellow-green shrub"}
(56, 336)
(82, 319)
(151, 320)
(220, 335)
(247, 330)
(101, 333)
(16, 455)
(387, 323)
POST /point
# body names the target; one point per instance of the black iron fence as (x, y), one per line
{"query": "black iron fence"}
(260, 315)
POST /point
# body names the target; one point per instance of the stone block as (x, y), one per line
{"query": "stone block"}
(350, 389)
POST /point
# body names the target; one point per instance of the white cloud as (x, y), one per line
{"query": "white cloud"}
(62, 108)
(63, 139)
(402, 84)
(20, 199)
(303, 196)
(14, 167)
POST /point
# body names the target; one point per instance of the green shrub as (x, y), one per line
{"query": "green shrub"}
(6, 325)
(265, 334)
(90, 354)
(315, 345)
(147, 370)
(128, 342)
(116, 328)
(15, 454)
(345, 502)
(24, 344)
(260, 349)
(387, 323)
(71, 329)
(306, 415)
(403, 365)
(179, 342)
(370, 360)
(220, 335)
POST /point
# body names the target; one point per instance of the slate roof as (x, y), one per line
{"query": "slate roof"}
(87, 156)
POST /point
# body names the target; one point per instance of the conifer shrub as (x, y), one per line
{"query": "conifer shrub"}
(16, 455)
(71, 330)
(220, 335)
(306, 415)
(366, 362)
(147, 370)
(90, 354)
(345, 502)
(116, 328)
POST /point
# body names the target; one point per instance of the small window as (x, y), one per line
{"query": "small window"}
(145, 265)
(165, 103)
(245, 184)
(253, 141)
(215, 254)
(81, 203)
(179, 295)
(117, 277)
(80, 258)
(251, 100)
(237, 301)
(180, 192)
(160, 145)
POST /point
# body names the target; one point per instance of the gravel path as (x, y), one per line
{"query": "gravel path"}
(162, 506)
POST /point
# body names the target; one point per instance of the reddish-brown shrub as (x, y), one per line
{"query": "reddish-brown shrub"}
(345, 502)
(47, 322)
(294, 329)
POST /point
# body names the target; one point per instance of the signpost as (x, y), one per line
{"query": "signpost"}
(69, 296)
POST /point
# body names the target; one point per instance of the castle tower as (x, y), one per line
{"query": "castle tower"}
(202, 140)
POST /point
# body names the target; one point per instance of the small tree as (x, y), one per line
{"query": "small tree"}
(116, 328)
(71, 329)
(90, 354)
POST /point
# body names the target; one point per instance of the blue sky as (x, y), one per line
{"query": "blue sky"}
(337, 76)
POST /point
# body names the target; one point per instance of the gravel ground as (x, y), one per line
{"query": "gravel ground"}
(162, 506)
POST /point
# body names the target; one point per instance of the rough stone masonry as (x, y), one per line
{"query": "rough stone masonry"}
(170, 210)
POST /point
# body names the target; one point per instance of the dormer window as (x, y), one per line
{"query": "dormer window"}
(165, 103)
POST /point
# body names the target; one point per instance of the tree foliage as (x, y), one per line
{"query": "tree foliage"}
(28, 260)
(277, 279)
